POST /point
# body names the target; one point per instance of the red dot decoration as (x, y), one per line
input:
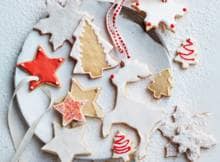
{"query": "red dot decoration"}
(172, 26)
(184, 9)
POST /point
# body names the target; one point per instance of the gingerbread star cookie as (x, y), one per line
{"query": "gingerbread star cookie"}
(61, 22)
(161, 84)
(187, 55)
(91, 108)
(91, 51)
(67, 143)
(161, 13)
(44, 68)
(71, 109)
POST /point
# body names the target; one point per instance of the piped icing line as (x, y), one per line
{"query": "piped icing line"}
(121, 144)
(189, 43)
(187, 54)
(111, 21)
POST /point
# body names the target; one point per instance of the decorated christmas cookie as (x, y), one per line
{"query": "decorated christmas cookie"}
(67, 143)
(122, 147)
(90, 95)
(44, 68)
(186, 55)
(91, 51)
(71, 109)
(61, 23)
(161, 13)
(161, 84)
(131, 113)
(186, 133)
(126, 109)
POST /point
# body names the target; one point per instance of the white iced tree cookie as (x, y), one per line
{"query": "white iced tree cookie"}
(160, 13)
(67, 143)
(122, 146)
(187, 54)
(186, 134)
(61, 23)
(138, 116)
(91, 51)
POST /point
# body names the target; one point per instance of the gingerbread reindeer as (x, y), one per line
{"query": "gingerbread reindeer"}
(138, 116)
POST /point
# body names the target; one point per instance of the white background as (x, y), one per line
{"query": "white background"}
(196, 89)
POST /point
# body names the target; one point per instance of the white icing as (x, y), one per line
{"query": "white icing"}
(61, 23)
(64, 145)
(132, 72)
(130, 112)
(76, 50)
(187, 133)
(186, 63)
(158, 12)
(171, 150)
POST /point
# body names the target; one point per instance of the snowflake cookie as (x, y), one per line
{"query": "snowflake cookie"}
(186, 134)
(160, 13)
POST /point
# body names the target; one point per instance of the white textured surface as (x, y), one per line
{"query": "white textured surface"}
(196, 89)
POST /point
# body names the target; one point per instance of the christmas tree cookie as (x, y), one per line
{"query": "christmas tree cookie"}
(122, 147)
(161, 84)
(91, 51)
(187, 55)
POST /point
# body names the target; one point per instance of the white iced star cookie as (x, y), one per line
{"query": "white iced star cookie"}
(67, 143)
(160, 13)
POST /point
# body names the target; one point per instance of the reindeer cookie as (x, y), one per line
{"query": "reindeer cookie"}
(140, 117)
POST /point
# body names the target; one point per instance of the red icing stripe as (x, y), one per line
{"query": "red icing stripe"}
(190, 51)
(121, 145)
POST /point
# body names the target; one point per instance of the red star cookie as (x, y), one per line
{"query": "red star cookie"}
(44, 68)
(70, 109)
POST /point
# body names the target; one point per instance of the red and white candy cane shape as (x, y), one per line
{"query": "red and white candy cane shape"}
(113, 30)
(114, 18)
(110, 30)
(121, 144)
(189, 51)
